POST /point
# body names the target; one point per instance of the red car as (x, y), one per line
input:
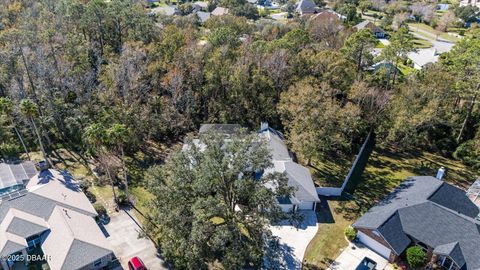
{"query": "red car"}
(136, 264)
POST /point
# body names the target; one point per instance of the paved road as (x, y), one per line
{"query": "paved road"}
(122, 232)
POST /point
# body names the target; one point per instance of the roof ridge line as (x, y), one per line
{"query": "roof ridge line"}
(467, 218)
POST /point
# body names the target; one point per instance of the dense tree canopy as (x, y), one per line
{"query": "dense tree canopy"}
(108, 80)
(210, 206)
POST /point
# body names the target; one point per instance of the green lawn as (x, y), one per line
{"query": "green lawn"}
(380, 45)
(384, 171)
(330, 172)
(405, 69)
(421, 43)
(433, 32)
(141, 198)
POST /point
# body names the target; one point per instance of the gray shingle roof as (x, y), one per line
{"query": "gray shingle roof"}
(203, 16)
(24, 228)
(452, 250)
(10, 248)
(369, 25)
(73, 239)
(412, 191)
(82, 254)
(392, 232)
(220, 128)
(29, 203)
(298, 176)
(455, 199)
(306, 6)
(432, 212)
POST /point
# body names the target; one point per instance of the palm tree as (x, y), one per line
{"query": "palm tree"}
(95, 137)
(6, 108)
(118, 135)
(30, 110)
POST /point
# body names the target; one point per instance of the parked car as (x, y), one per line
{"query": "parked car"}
(366, 264)
(136, 263)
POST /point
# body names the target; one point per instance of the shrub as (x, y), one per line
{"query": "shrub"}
(122, 199)
(350, 233)
(416, 256)
(101, 210)
(91, 197)
(84, 185)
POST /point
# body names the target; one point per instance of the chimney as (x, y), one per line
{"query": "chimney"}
(263, 126)
(440, 173)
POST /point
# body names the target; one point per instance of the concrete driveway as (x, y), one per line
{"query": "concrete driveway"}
(295, 241)
(351, 257)
(122, 232)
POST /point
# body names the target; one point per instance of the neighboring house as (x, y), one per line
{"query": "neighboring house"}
(423, 57)
(475, 3)
(200, 6)
(166, 10)
(53, 214)
(15, 175)
(429, 213)
(328, 15)
(227, 129)
(377, 31)
(473, 194)
(305, 195)
(151, 2)
(305, 7)
(219, 11)
(443, 7)
(384, 66)
(202, 16)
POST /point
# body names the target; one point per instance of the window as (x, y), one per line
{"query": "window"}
(33, 241)
(97, 262)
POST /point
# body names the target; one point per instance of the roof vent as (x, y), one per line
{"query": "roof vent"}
(66, 213)
(440, 173)
(263, 126)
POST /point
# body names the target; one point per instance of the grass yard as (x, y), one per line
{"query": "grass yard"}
(380, 45)
(329, 240)
(433, 33)
(141, 197)
(420, 43)
(385, 170)
(330, 172)
(406, 69)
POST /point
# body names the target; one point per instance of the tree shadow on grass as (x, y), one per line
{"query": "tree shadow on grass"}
(324, 213)
(372, 188)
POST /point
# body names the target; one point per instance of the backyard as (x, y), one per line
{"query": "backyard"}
(385, 170)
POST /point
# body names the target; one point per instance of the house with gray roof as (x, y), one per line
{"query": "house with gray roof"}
(226, 129)
(305, 195)
(305, 7)
(219, 11)
(429, 213)
(52, 214)
(299, 177)
(202, 16)
(377, 31)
